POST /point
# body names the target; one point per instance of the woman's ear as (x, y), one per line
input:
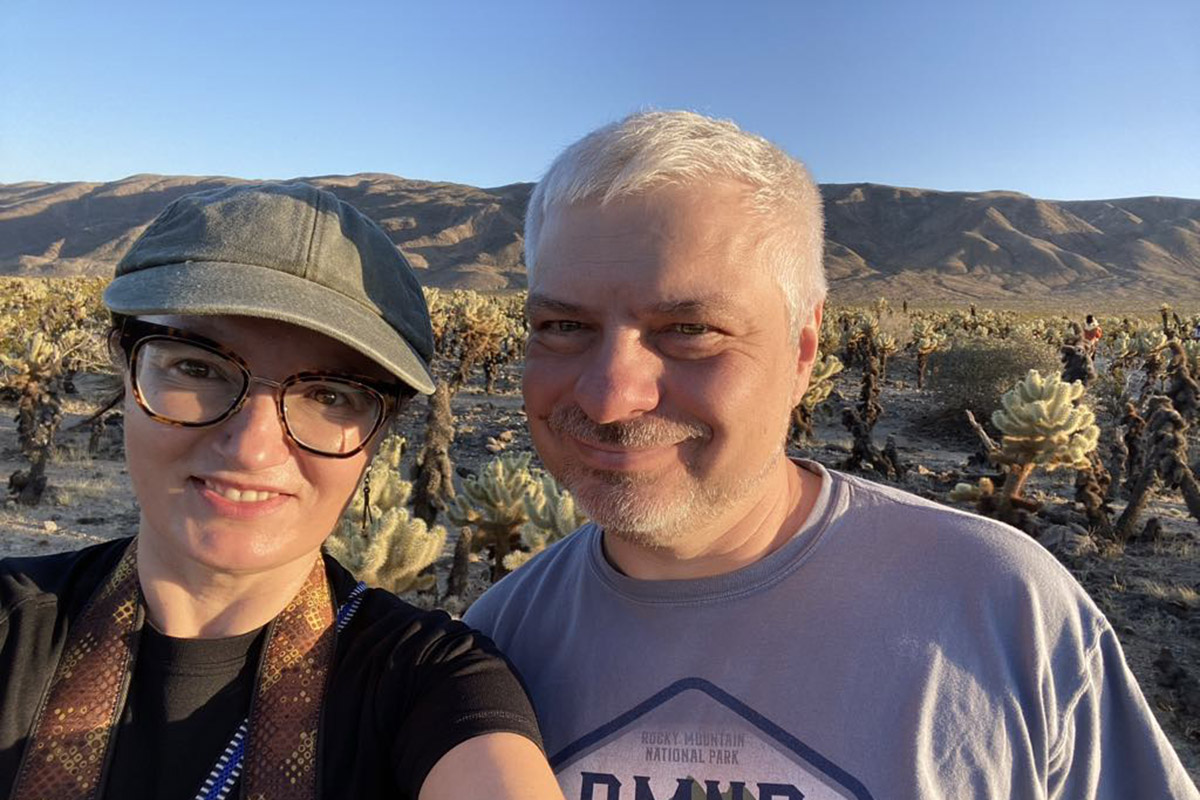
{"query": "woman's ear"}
(116, 354)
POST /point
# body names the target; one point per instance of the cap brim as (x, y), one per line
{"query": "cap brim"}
(213, 287)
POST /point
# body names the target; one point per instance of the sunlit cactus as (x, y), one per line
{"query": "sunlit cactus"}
(377, 538)
(479, 332)
(1043, 425)
(885, 345)
(552, 516)
(926, 341)
(494, 504)
(39, 375)
(820, 386)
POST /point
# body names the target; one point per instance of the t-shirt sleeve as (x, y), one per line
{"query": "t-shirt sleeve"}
(1110, 746)
(453, 685)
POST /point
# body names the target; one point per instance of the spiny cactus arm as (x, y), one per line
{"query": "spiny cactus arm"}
(985, 440)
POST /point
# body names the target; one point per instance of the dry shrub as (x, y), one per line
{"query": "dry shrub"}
(975, 372)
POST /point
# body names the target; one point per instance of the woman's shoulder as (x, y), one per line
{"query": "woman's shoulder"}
(64, 579)
(384, 625)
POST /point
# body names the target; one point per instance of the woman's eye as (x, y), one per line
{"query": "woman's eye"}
(327, 397)
(192, 368)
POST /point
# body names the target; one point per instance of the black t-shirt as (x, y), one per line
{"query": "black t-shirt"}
(407, 686)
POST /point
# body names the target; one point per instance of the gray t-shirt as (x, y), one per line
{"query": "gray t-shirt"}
(893, 648)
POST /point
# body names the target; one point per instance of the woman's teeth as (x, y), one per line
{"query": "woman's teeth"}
(240, 495)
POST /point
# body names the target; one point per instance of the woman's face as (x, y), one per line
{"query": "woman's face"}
(240, 497)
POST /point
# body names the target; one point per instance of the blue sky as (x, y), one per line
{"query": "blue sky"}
(1061, 99)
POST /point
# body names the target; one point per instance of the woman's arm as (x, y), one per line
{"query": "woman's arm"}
(496, 766)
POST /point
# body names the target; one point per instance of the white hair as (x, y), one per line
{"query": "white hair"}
(651, 149)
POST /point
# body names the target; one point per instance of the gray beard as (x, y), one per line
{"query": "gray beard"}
(621, 506)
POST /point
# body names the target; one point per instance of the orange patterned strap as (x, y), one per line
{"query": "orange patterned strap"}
(281, 749)
(72, 735)
(65, 756)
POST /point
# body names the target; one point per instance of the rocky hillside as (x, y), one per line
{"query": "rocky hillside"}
(915, 243)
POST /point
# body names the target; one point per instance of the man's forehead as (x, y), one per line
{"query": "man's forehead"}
(563, 300)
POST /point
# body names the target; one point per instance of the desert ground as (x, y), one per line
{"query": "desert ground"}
(1150, 590)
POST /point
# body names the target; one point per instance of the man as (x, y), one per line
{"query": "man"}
(733, 624)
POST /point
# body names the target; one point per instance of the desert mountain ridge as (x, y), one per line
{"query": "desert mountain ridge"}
(920, 244)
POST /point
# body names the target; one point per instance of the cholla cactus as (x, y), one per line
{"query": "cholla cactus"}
(382, 543)
(1043, 425)
(885, 345)
(1182, 388)
(433, 472)
(479, 331)
(820, 386)
(926, 341)
(552, 516)
(40, 376)
(494, 504)
(1166, 459)
(1191, 349)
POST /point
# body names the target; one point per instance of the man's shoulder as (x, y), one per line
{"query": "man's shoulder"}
(553, 570)
(971, 544)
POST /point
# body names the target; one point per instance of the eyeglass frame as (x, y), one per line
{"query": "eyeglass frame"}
(128, 333)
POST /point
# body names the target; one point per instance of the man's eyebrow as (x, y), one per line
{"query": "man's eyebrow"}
(549, 305)
(713, 304)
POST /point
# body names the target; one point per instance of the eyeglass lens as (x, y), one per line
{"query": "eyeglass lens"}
(186, 383)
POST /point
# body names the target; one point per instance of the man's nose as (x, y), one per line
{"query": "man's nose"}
(254, 437)
(620, 379)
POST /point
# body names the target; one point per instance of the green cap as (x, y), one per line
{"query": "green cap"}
(289, 252)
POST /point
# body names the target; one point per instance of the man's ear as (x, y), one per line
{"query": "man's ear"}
(806, 353)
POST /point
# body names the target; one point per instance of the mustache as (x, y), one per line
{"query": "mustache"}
(643, 432)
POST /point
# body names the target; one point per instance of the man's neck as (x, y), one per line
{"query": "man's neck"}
(747, 533)
(198, 603)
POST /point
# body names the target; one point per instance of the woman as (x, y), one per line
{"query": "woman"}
(266, 335)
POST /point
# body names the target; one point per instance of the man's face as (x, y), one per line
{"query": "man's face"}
(660, 374)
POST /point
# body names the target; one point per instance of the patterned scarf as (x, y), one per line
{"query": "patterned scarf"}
(73, 732)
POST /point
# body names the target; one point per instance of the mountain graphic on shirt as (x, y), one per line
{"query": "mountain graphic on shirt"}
(694, 741)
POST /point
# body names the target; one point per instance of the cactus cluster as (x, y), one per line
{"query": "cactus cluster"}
(514, 511)
(820, 386)
(552, 516)
(377, 539)
(493, 503)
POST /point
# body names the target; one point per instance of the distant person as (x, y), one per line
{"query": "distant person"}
(266, 336)
(735, 624)
(1092, 333)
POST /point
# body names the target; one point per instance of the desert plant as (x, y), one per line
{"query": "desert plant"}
(926, 341)
(1182, 388)
(820, 386)
(433, 472)
(1166, 460)
(494, 504)
(975, 373)
(377, 539)
(1042, 425)
(552, 516)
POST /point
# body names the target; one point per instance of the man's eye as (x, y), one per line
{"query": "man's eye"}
(692, 328)
(561, 326)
